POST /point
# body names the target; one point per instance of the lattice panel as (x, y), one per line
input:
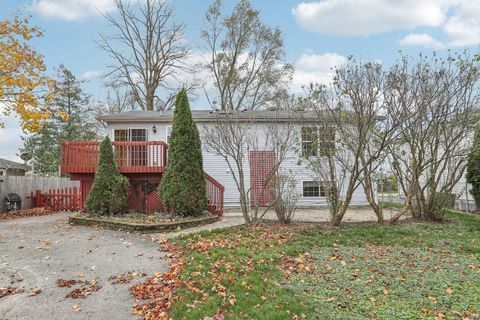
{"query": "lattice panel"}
(261, 165)
(144, 197)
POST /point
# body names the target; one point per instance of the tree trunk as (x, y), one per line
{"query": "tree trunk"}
(369, 192)
(407, 204)
(149, 97)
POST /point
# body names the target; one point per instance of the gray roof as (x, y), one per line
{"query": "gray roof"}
(7, 164)
(208, 116)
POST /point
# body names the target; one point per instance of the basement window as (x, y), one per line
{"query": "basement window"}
(313, 189)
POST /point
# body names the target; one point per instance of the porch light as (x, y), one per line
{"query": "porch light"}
(154, 129)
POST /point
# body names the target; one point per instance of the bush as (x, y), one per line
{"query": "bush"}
(182, 188)
(110, 188)
(285, 203)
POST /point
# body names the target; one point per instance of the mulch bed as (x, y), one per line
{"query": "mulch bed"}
(141, 227)
(26, 213)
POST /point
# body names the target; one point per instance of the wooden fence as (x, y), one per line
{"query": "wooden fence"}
(24, 186)
(67, 199)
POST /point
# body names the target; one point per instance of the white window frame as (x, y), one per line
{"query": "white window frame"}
(319, 151)
(129, 133)
(315, 152)
(320, 186)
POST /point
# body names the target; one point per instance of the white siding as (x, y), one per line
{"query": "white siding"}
(216, 166)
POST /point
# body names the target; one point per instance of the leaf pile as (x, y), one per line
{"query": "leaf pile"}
(25, 213)
(83, 291)
(160, 287)
(66, 282)
(122, 278)
(8, 291)
(86, 288)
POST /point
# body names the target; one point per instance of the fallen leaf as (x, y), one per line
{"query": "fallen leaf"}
(35, 292)
(8, 291)
(66, 283)
(83, 291)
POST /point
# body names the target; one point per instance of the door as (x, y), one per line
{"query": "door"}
(121, 152)
(262, 164)
(131, 155)
(138, 152)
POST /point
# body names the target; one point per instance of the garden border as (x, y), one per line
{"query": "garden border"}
(141, 227)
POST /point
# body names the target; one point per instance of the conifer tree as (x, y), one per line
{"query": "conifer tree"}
(110, 188)
(473, 169)
(182, 188)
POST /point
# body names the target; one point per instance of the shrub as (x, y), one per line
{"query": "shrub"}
(182, 188)
(110, 188)
(285, 203)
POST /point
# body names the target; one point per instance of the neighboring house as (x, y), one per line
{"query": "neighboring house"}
(12, 168)
(140, 139)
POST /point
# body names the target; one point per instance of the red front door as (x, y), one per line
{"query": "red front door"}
(262, 164)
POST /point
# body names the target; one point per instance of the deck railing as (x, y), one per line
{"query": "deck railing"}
(214, 195)
(131, 157)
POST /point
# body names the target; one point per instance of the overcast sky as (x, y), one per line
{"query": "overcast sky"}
(318, 35)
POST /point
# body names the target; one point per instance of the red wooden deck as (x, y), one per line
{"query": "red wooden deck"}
(131, 157)
(139, 161)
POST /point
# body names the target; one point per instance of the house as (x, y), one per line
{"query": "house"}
(140, 140)
(12, 168)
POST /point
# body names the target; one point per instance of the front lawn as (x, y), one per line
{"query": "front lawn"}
(410, 271)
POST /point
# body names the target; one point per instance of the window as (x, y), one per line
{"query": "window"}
(130, 135)
(168, 132)
(313, 189)
(138, 135)
(327, 141)
(120, 135)
(317, 141)
(309, 142)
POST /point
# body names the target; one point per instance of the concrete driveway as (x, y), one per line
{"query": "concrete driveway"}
(35, 252)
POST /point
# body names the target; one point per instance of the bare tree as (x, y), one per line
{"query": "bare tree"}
(234, 136)
(117, 100)
(369, 132)
(436, 101)
(354, 108)
(246, 58)
(148, 49)
(335, 167)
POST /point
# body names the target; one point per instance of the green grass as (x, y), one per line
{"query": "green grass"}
(410, 271)
(394, 205)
